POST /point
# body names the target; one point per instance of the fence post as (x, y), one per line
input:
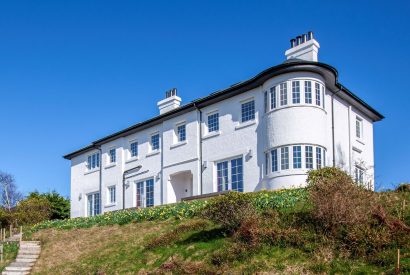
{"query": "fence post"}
(21, 233)
(11, 231)
(1, 252)
(397, 271)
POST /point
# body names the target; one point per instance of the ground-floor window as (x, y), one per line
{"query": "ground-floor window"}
(93, 204)
(145, 193)
(230, 175)
(359, 175)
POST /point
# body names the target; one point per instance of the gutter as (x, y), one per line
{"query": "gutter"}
(100, 176)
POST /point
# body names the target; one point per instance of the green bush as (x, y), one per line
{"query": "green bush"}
(60, 206)
(31, 211)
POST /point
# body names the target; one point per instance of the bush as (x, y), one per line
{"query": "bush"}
(60, 206)
(404, 187)
(31, 211)
(229, 210)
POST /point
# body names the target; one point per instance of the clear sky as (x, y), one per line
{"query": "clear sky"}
(75, 71)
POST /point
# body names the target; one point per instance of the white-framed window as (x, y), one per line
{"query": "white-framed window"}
(181, 132)
(273, 99)
(155, 142)
(145, 193)
(93, 161)
(283, 94)
(230, 175)
(359, 127)
(248, 110)
(317, 94)
(309, 157)
(284, 158)
(112, 155)
(93, 204)
(295, 92)
(359, 175)
(319, 158)
(308, 92)
(134, 149)
(213, 122)
(274, 160)
(265, 100)
(266, 163)
(323, 96)
(297, 157)
(111, 194)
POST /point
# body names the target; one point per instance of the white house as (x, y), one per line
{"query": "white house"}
(263, 133)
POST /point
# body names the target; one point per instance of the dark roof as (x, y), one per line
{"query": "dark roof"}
(328, 72)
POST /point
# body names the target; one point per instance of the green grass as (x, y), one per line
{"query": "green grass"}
(9, 254)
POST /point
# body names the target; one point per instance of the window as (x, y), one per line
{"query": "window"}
(134, 149)
(112, 155)
(308, 92)
(318, 157)
(274, 157)
(213, 123)
(93, 204)
(284, 158)
(265, 101)
(359, 175)
(273, 97)
(111, 194)
(93, 161)
(283, 94)
(181, 133)
(295, 92)
(359, 127)
(145, 199)
(317, 93)
(248, 111)
(155, 142)
(309, 157)
(297, 157)
(230, 175)
(323, 96)
(266, 163)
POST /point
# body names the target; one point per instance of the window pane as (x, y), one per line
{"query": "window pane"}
(90, 205)
(265, 101)
(308, 92)
(111, 191)
(266, 163)
(295, 92)
(274, 155)
(213, 123)
(248, 111)
(140, 194)
(93, 164)
(134, 149)
(89, 163)
(149, 193)
(358, 128)
(309, 157)
(297, 157)
(222, 174)
(317, 93)
(96, 206)
(237, 174)
(181, 133)
(318, 157)
(273, 98)
(112, 155)
(283, 94)
(284, 158)
(155, 142)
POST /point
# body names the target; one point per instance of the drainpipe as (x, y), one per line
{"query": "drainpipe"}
(200, 148)
(162, 167)
(333, 128)
(100, 177)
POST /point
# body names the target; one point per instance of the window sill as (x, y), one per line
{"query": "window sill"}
(360, 141)
(212, 134)
(245, 124)
(91, 171)
(110, 165)
(110, 205)
(179, 144)
(131, 160)
(153, 153)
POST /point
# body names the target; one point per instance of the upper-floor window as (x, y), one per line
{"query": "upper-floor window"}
(359, 127)
(308, 92)
(248, 111)
(181, 132)
(274, 160)
(213, 123)
(111, 194)
(284, 158)
(155, 142)
(317, 94)
(309, 157)
(134, 149)
(230, 175)
(295, 92)
(273, 97)
(112, 155)
(265, 100)
(297, 157)
(93, 161)
(283, 94)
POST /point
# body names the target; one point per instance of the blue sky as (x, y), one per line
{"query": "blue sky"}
(74, 71)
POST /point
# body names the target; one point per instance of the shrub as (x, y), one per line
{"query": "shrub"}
(404, 187)
(229, 210)
(32, 210)
(60, 206)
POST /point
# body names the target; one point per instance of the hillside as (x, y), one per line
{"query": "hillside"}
(331, 227)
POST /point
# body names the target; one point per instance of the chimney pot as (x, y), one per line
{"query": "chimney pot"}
(310, 35)
(304, 38)
(298, 40)
(292, 42)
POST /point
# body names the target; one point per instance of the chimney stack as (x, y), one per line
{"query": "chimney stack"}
(171, 101)
(303, 47)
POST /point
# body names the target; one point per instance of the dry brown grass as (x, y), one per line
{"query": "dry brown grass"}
(62, 249)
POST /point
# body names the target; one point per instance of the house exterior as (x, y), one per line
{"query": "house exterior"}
(263, 133)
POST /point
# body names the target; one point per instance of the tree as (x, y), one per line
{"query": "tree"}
(10, 196)
(60, 206)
